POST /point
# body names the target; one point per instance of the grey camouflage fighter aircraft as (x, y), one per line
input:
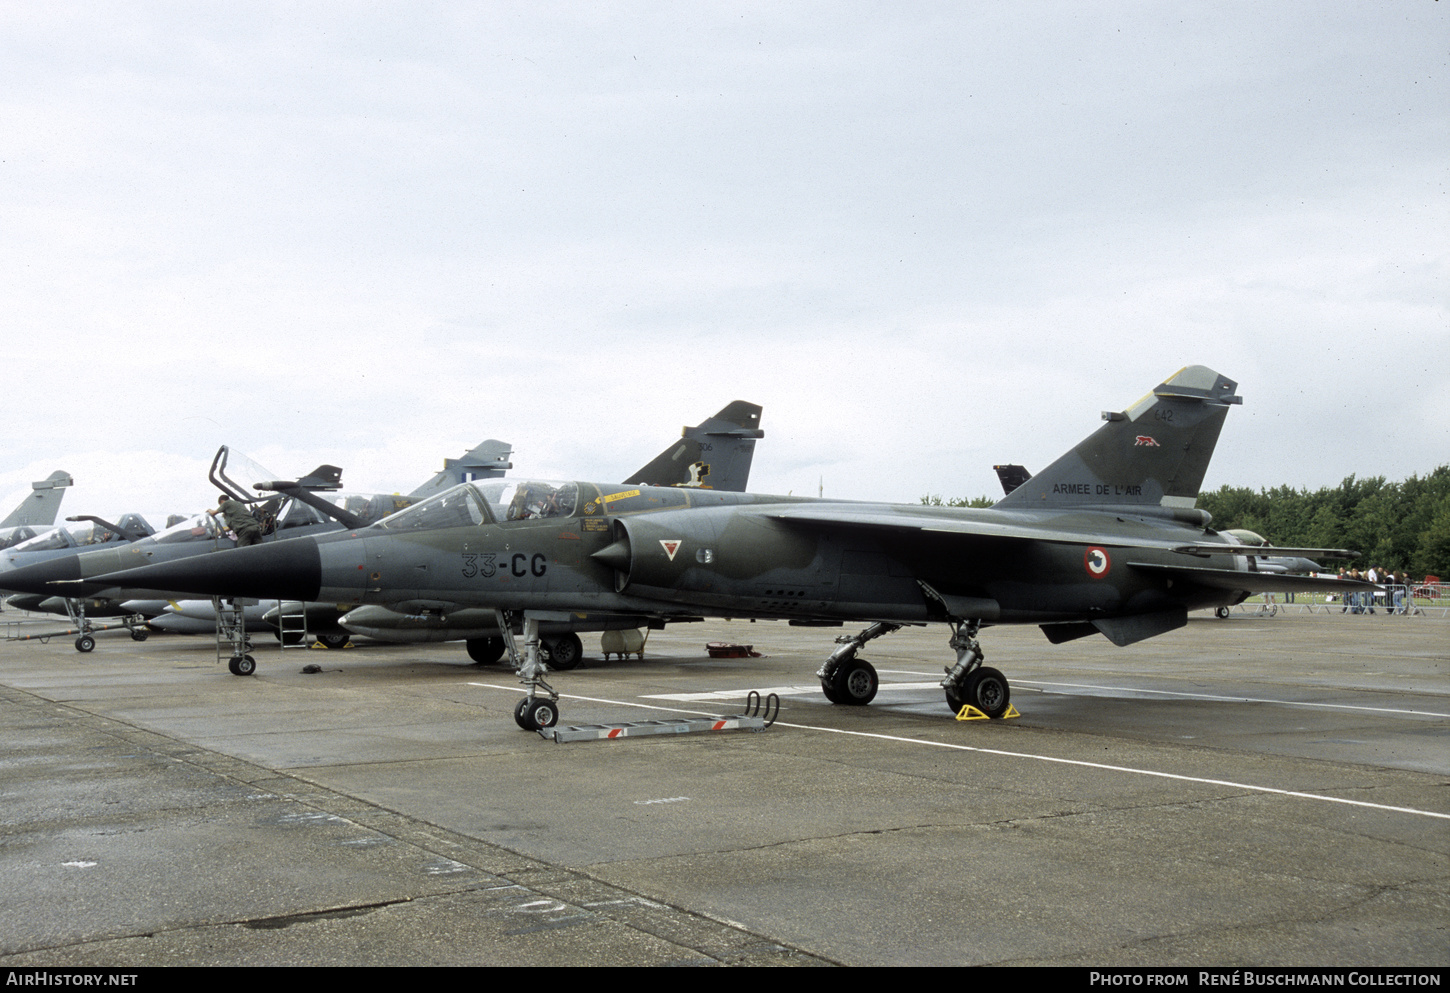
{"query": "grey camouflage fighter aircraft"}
(1105, 540)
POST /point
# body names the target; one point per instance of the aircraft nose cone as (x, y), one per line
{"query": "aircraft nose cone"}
(281, 570)
(35, 578)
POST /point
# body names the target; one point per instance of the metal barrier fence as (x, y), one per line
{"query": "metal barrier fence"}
(1416, 600)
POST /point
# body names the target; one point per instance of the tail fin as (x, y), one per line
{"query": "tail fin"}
(41, 506)
(1154, 454)
(488, 460)
(324, 477)
(1011, 476)
(716, 453)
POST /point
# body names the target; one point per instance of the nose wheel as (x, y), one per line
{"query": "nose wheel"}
(535, 714)
(540, 708)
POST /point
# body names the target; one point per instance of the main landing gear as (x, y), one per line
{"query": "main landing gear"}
(970, 682)
(540, 707)
(845, 679)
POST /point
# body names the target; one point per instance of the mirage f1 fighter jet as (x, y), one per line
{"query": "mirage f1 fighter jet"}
(1106, 540)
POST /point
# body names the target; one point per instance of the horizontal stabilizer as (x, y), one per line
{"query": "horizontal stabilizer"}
(1253, 582)
(1266, 551)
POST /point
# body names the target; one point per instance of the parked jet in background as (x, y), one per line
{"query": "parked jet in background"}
(58, 581)
(1105, 540)
(720, 448)
(716, 454)
(37, 511)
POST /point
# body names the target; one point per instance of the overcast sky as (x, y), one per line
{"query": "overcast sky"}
(927, 237)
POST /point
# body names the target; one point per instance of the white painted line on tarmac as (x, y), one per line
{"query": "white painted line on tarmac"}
(799, 689)
(795, 689)
(1079, 763)
(1127, 692)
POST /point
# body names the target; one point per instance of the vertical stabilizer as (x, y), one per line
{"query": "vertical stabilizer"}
(1154, 454)
(41, 506)
(489, 460)
(716, 453)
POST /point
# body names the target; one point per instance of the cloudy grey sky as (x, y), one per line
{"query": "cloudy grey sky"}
(927, 237)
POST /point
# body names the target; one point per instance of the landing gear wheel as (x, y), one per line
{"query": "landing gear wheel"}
(531, 715)
(955, 700)
(85, 643)
(333, 640)
(1221, 613)
(139, 634)
(542, 713)
(987, 690)
(565, 652)
(829, 690)
(485, 651)
(520, 717)
(855, 683)
(242, 665)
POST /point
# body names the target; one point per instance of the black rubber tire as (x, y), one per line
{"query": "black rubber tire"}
(139, 634)
(542, 713)
(242, 665)
(988, 691)
(565, 653)
(955, 700)
(485, 651)
(333, 640)
(829, 690)
(521, 717)
(855, 683)
(1221, 613)
(85, 643)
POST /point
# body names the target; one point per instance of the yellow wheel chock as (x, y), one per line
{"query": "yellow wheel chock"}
(970, 713)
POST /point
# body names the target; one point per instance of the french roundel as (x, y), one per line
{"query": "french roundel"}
(1096, 561)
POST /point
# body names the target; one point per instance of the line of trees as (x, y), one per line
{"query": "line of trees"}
(1404, 525)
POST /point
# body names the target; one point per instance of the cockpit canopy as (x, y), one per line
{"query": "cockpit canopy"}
(505, 500)
(202, 527)
(15, 535)
(82, 535)
(524, 500)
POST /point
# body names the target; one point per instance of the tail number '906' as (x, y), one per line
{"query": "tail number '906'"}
(519, 564)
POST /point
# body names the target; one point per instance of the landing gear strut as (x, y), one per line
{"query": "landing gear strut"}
(540, 708)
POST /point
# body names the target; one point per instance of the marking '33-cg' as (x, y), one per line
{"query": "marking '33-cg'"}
(519, 564)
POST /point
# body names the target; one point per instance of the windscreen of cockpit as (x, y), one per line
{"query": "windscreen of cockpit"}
(453, 508)
(79, 536)
(523, 500)
(202, 527)
(15, 535)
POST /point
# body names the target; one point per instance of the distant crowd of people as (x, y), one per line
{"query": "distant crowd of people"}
(1397, 598)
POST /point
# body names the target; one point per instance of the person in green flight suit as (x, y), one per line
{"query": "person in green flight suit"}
(240, 520)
